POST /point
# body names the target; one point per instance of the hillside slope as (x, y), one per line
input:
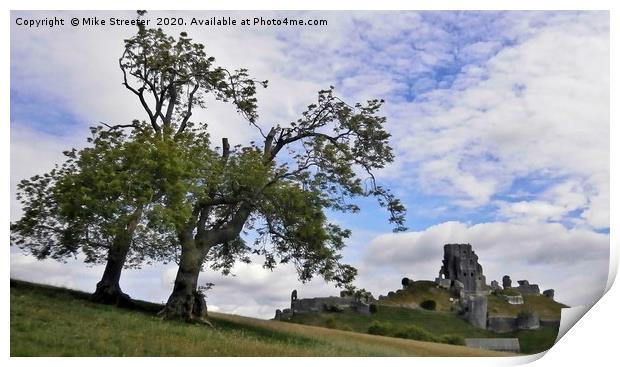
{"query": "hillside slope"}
(423, 290)
(399, 314)
(49, 321)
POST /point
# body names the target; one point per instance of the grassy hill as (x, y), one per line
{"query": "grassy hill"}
(422, 290)
(49, 321)
(547, 308)
(416, 293)
(400, 315)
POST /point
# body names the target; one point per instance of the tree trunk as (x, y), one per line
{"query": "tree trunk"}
(108, 289)
(186, 303)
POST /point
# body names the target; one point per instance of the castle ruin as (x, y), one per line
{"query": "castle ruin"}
(462, 274)
(460, 264)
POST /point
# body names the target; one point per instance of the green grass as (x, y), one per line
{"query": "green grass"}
(49, 321)
(439, 324)
(535, 341)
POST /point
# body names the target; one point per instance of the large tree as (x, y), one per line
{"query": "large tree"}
(281, 189)
(100, 201)
(329, 156)
(91, 204)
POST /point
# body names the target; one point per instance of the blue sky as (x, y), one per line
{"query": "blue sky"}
(499, 122)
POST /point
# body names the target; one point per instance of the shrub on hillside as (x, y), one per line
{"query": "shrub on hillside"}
(415, 333)
(333, 308)
(405, 282)
(429, 304)
(380, 328)
(331, 323)
(372, 308)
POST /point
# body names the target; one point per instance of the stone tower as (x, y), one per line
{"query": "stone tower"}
(460, 263)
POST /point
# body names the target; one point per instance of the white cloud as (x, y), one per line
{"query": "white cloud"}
(559, 201)
(34, 152)
(541, 106)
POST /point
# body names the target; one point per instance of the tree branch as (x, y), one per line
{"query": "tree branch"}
(188, 114)
(139, 93)
(225, 150)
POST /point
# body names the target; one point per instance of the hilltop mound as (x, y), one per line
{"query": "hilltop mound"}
(419, 291)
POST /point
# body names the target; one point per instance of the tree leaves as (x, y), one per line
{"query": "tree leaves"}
(182, 191)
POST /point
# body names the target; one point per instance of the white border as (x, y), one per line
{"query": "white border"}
(594, 338)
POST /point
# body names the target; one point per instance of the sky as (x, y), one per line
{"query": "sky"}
(499, 121)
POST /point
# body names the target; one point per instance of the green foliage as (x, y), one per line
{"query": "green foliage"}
(177, 74)
(405, 282)
(380, 328)
(164, 181)
(373, 308)
(410, 332)
(415, 333)
(123, 184)
(535, 341)
(429, 304)
(331, 323)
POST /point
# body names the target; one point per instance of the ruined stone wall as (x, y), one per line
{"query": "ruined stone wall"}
(497, 344)
(502, 324)
(320, 303)
(526, 288)
(514, 300)
(529, 321)
(549, 323)
(549, 293)
(507, 324)
(475, 310)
